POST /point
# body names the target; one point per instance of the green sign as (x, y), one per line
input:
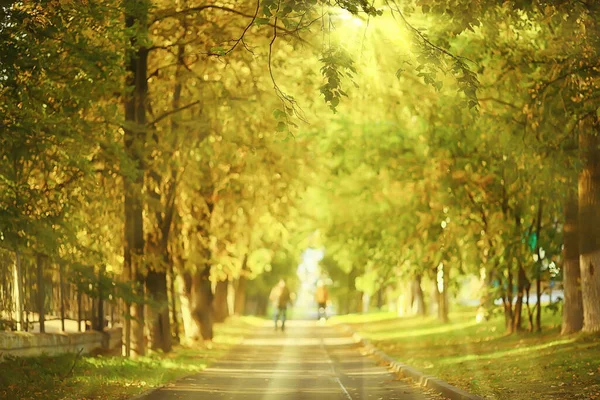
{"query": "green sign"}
(532, 241)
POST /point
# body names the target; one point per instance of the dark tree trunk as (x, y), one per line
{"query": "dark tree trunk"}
(240, 290)
(220, 304)
(99, 320)
(240, 296)
(507, 298)
(41, 291)
(349, 290)
(202, 310)
(201, 296)
(379, 297)
(529, 312)
(159, 327)
(522, 283)
(197, 304)
(62, 296)
(353, 298)
(508, 306)
(589, 224)
(358, 298)
(538, 270)
(136, 16)
(573, 307)
(156, 284)
(418, 297)
(160, 323)
(174, 319)
(79, 310)
(442, 296)
(92, 315)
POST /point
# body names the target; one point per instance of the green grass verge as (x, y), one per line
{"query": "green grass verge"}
(481, 359)
(111, 377)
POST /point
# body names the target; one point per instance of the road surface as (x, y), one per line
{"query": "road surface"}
(307, 361)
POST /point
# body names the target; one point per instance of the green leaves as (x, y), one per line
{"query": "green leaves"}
(219, 51)
(337, 65)
(355, 6)
(467, 82)
(262, 21)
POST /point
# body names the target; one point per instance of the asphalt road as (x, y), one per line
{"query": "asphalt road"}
(307, 361)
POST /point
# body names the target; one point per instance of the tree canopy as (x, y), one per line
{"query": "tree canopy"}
(180, 149)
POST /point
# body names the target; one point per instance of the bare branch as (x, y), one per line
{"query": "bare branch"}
(173, 14)
(500, 101)
(171, 112)
(241, 38)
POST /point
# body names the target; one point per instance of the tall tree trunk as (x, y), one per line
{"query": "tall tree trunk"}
(159, 327)
(220, 305)
(196, 304)
(240, 290)
(572, 318)
(27, 295)
(41, 291)
(349, 291)
(441, 288)
(522, 280)
(589, 224)
(18, 290)
(508, 302)
(62, 295)
(379, 297)
(405, 303)
(99, 320)
(529, 312)
(353, 297)
(159, 323)
(173, 308)
(513, 313)
(202, 302)
(79, 309)
(191, 329)
(359, 302)
(538, 270)
(240, 296)
(507, 298)
(418, 297)
(136, 18)
(522, 283)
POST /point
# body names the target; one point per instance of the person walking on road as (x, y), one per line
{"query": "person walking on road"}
(280, 297)
(322, 298)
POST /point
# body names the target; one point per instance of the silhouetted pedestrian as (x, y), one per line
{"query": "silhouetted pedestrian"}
(280, 297)
(321, 297)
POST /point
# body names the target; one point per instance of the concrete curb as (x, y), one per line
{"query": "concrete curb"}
(406, 371)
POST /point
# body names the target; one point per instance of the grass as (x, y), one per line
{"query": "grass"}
(481, 359)
(111, 377)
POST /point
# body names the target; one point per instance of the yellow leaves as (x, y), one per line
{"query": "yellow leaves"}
(459, 175)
